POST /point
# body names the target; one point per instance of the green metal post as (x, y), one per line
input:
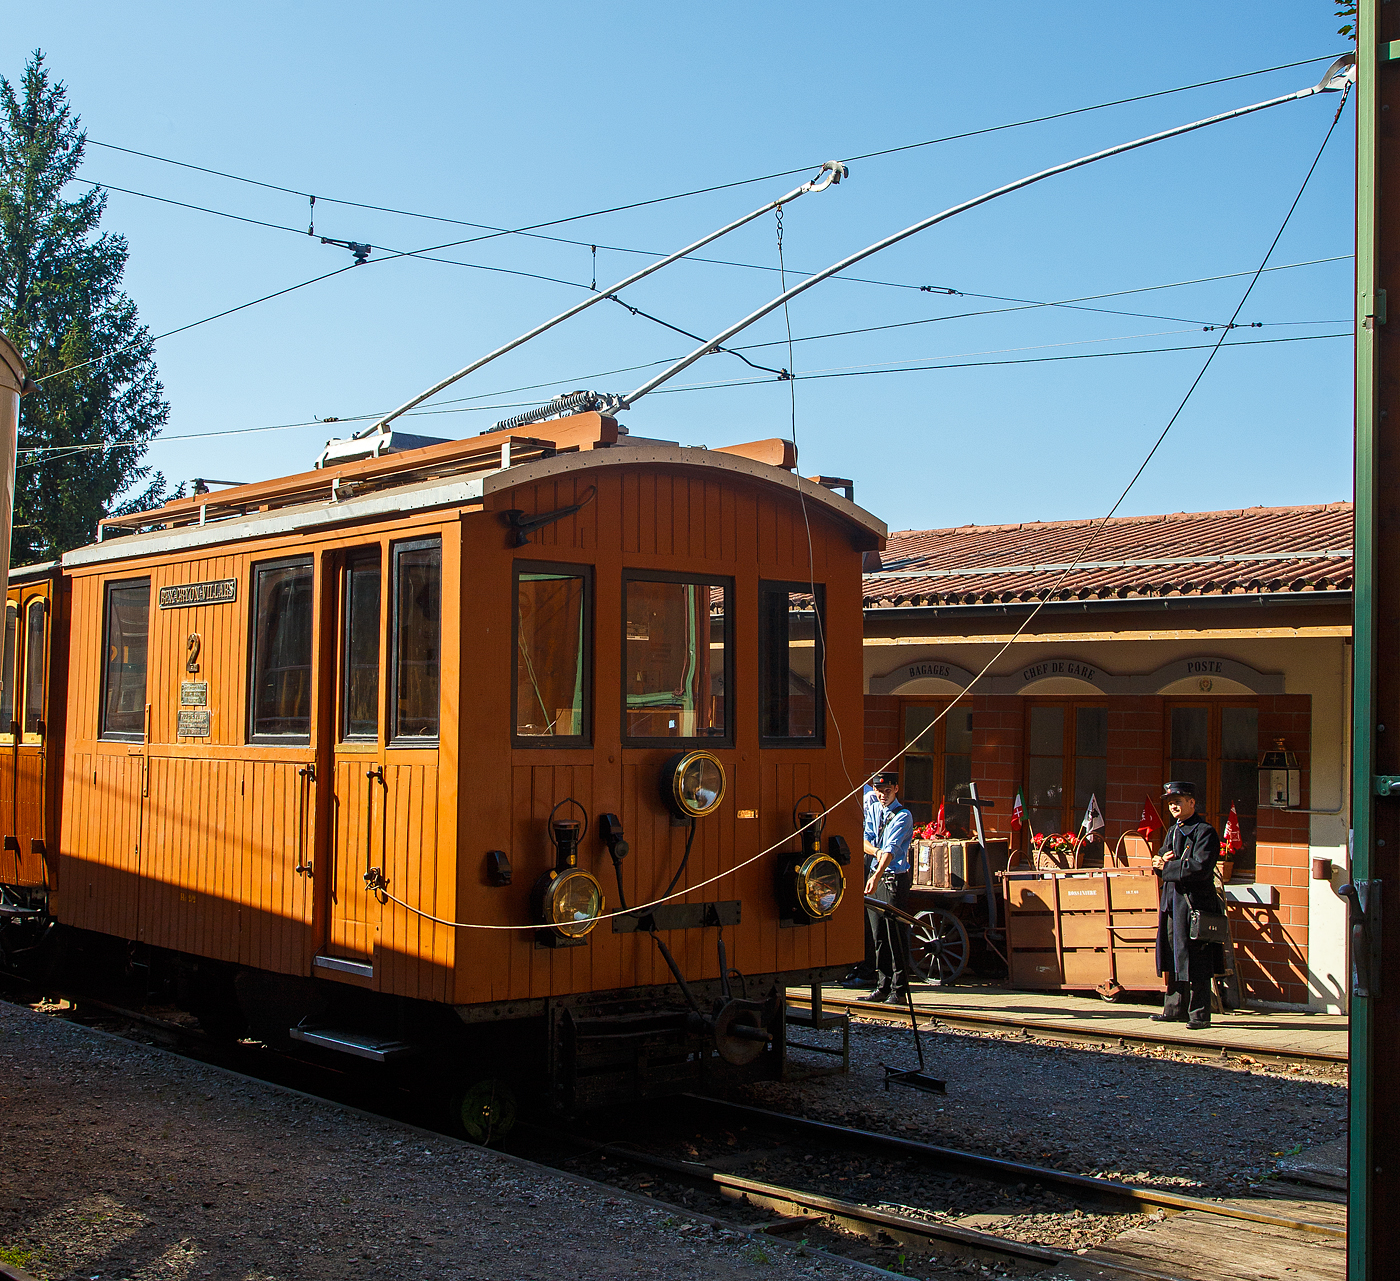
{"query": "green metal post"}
(1363, 629)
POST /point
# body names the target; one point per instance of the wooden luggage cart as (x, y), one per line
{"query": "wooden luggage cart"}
(1082, 928)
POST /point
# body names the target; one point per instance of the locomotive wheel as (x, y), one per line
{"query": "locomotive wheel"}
(939, 947)
(486, 1111)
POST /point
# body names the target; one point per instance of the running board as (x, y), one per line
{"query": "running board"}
(363, 1045)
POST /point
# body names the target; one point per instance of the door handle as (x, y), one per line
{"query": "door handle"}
(1364, 914)
(374, 877)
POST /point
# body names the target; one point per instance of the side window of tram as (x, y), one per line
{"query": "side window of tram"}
(551, 654)
(124, 633)
(676, 659)
(416, 679)
(35, 635)
(790, 705)
(8, 675)
(282, 614)
(359, 695)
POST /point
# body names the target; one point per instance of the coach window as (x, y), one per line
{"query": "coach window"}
(937, 763)
(359, 694)
(417, 642)
(8, 676)
(35, 650)
(124, 632)
(553, 655)
(791, 710)
(676, 658)
(1066, 764)
(282, 614)
(1216, 746)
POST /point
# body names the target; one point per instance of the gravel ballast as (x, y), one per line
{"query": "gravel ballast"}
(127, 1162)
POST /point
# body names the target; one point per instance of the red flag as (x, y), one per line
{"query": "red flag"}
(1230, 840)
(1151, 821)
(938, 828)
(1018, 812)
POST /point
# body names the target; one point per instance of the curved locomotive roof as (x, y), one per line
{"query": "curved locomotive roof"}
(432, 477)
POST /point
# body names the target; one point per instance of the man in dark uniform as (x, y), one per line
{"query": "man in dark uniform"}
(1186, 864)
(889, 827)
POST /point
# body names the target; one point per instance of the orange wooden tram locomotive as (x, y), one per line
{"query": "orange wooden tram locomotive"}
(295, 744)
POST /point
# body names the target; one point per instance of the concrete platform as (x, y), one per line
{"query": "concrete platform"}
(1283, 1033)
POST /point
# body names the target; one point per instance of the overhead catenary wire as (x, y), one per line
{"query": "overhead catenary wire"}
(725, 186)
(1330, 82)
(1030, 617)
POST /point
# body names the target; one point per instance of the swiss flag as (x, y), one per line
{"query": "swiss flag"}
(1230, 840)
(1018, 813)
(1151, 821)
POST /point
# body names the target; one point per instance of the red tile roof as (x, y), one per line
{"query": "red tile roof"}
(1258, 549)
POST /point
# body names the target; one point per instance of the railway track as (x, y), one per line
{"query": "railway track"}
(1074, 1033)
(783, 1209)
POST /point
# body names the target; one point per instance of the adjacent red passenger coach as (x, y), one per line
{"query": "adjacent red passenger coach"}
(398, 757)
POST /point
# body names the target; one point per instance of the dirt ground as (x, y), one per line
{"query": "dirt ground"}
(128, 1164)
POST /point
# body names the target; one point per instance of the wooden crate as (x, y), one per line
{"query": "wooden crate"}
(1082, 929)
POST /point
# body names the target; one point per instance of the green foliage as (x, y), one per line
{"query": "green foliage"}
(62, 305)
(12, 1256)
(1344, 9)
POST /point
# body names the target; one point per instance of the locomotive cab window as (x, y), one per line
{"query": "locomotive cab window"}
(125, 629)
(790, 704)
(359, 655)
(282, 616)
(35, 652)
(8, 675)
(553, 655)
(676, 658)
(415, 678)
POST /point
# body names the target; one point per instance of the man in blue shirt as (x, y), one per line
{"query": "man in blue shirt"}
(889, 827)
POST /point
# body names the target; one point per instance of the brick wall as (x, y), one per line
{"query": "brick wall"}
(1270, 944)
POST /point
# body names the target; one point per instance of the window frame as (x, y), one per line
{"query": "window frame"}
(35, 737)
(1070, 815)
(103, 733)
(349, 560)
(569, 570)
(942, 705)
(390, 694)
(8, 738)
(1210, 807)
(817, 591)
(255, 571)
(724, 581)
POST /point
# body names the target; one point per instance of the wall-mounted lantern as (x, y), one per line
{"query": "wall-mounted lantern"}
(1280, 780)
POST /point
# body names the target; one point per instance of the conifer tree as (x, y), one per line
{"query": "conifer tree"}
(62, 305)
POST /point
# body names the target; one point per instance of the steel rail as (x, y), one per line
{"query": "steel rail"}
(864, 1220)
(1332, 80)
(1141, 1199)
(830, 173)
(1054, 1031)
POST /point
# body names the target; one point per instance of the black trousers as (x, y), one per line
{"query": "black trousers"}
(891, 937)
(1192, 993)
(866, 968)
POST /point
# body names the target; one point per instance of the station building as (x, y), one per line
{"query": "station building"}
(1181, 646)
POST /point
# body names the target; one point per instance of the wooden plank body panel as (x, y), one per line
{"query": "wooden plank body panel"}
(674, 520)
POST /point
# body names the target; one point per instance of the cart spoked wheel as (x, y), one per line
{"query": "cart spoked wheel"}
(939, 946)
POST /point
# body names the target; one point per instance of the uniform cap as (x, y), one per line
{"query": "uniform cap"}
(1180, 789)
(885, 778)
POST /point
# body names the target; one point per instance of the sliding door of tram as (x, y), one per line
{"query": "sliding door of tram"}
(383, 759)
(24, 733)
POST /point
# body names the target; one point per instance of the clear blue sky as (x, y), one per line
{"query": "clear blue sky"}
(510, 115)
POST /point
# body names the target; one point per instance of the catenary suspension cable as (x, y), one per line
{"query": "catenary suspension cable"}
(1332, 80)
(683, 195)
(1046, 596)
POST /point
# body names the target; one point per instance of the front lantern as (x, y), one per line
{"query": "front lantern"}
(820, 886)
(1280, 781)
(567, 899)
(811, 883)
(693, 784)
